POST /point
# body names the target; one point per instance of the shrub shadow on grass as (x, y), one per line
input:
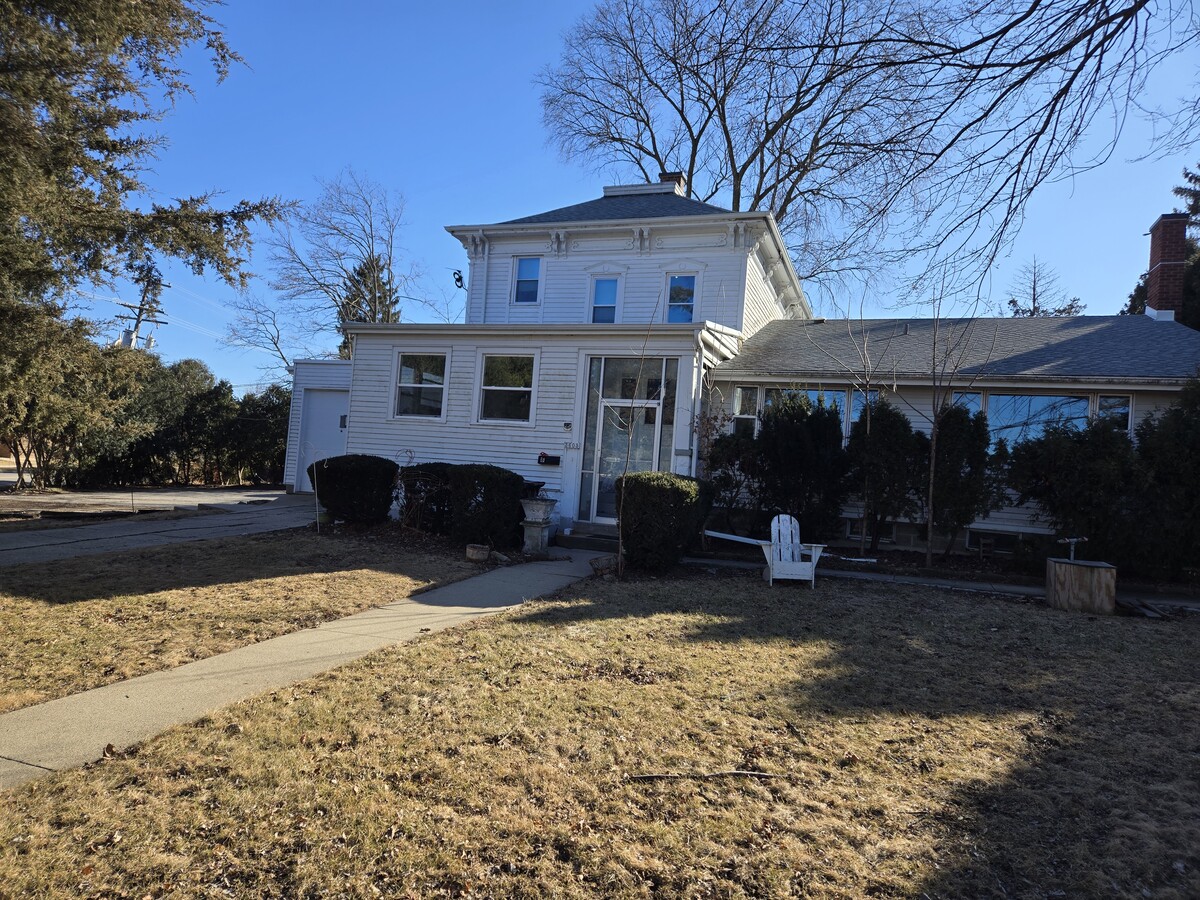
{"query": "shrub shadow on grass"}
(1101, 795)
(223, 561)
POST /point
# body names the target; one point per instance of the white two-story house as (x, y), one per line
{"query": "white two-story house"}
(588, 335)
(596, 334)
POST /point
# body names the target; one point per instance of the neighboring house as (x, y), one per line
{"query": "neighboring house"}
(597, 334)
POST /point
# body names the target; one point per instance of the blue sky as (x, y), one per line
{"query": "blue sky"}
(437, 101)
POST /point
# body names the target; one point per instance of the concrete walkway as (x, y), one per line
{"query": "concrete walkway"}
(224, 520)
(72, 731)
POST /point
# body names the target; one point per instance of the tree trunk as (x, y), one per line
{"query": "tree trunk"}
(933, 433)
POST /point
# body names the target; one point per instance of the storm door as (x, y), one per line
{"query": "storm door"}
(629, 427)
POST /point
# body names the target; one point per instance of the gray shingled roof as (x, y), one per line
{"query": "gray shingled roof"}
(625, 206)
(1108, 347)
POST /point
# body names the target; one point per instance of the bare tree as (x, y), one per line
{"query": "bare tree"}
(337, 260)
(874, 129)
(1035, 293)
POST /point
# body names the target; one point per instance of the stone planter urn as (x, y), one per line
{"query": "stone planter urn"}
(537, 524)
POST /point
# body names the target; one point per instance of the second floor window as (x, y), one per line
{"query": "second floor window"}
(604, 301)
(681, 298)
(529, 273)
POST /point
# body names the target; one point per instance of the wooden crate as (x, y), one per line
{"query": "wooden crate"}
(1081, 586)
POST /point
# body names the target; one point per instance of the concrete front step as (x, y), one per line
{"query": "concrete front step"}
(606, 543)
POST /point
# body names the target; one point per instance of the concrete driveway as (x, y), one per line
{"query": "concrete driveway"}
(218, 520)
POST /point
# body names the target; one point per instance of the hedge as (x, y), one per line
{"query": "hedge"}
(473, 504)
(485, 504)
(355, 488)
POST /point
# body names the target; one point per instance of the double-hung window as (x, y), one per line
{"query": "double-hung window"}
(681, 298)
(604, 300)
(421, 385)
(506, 388)
(745, 410)
(528, 279)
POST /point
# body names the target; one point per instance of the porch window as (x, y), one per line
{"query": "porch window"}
(858, 400)
(1021, 417)
(528, 280)
(681, 298)
(421, 385)
(604, 301)
(506, 389)
(1115, 409)
(971, 401)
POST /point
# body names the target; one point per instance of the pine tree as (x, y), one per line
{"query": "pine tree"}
(82, 84)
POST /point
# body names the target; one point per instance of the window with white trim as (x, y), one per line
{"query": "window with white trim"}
(1022, 417)
(1115, 408)
(527, 280)
(745, 410)
(604, 299)
(681, 298)
(421, 385)
(506, 388)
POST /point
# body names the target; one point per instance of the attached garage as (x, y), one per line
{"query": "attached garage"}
(319, 417)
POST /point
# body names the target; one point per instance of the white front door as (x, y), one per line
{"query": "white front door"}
(322, 431)
(628, 442)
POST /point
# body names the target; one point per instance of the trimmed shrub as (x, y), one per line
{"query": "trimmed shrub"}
(659, 513)
(800, 466)
(485, 503)
(425, 501)
(355, 488)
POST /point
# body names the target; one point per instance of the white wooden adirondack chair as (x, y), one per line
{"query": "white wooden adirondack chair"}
(786, 556)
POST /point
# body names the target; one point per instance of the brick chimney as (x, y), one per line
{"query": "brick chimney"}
(674, 178)
(1168, 256)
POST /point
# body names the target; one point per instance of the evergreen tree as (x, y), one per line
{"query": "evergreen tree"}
(885, 465)
(82, 83)
(369, 294)
(965, 481)
(800, 465)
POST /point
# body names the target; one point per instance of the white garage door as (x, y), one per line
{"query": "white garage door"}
(322, 431)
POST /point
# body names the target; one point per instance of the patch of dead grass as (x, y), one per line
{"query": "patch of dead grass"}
(926, 743)
(77, 624)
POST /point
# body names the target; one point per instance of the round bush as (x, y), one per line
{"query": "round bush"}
(355, 488)
(659, 515)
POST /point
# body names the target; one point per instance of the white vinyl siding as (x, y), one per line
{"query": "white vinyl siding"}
(558, 404)
(565, 282)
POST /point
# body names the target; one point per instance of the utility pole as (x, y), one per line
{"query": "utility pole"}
(144, 313)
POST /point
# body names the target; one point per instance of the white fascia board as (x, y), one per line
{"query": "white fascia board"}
(518, 228)
(533, 330)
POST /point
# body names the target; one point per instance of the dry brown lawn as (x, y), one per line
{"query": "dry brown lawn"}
(922, 743)
(78, 624)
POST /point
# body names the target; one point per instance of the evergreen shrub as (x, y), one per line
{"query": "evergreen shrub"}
(659, 513)
(355, 488)
(485, 503)
(425, 497)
